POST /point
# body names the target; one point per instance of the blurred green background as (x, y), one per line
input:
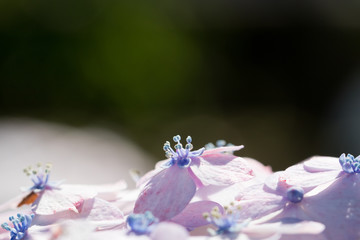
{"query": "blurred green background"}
(282, 78)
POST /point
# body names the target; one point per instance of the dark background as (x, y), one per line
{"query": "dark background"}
(282, 78)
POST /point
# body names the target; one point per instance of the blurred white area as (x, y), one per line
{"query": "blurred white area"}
(84, 156)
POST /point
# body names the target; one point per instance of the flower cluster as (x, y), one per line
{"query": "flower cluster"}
(183, 198)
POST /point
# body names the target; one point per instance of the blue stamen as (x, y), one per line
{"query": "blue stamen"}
(350, 164)
(182, 156)
(39, 177)
(20, 226)
(295, 194)
(177, 138)
(218, 144)
(141, 223)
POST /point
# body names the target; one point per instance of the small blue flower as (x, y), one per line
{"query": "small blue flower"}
(141, 223)
(226, 223)
(350, 164)
(40, 177)
(182, 156)
(295, 194)
(21, 225)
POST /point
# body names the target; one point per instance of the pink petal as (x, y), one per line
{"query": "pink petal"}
(283, 228)
(149, 175)
(319, 164)
(259, 169)
(54, 204)
(256, 203)
(192, 216)
(167, 193)
(281, 181)
(221, 169)
(102, 212)
(221, 194)
(222, 150)
(166, 231)
(161, 163)
(338, 207)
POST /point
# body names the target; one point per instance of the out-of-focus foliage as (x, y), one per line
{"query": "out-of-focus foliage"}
(272, 76)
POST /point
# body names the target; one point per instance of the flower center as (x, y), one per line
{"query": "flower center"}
(39, 176)
(181, 156)
(141, 223)
(226, 223)
(21, 225)
(350, 164)
(295, 194)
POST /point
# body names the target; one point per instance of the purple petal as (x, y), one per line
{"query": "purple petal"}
(167, 193)
(338, 207)
(192, 216)
(256, 203)
(166, 231)
(320, 164)
(281, 181)
(221, 169)
(149, 175)
(160, 164)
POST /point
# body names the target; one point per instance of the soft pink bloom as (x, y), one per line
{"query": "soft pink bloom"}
(225, 194)
(329, 195)
(168, 190)
(227, 225)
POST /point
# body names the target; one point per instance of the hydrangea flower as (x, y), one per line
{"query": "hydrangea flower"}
(261, 199)
(141, 227)
(168, 189)
(321, 189)
(141, 223)
(20, 226)
(227, 225)
(40, 177)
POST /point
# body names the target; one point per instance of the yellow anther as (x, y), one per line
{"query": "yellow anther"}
(216, 209)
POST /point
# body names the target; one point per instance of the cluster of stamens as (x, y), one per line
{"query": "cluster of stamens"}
(39, 175)
(181, 156)
(20, 226)
(169, 152)
(141, 223)
(226, 222)
(350, 164)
